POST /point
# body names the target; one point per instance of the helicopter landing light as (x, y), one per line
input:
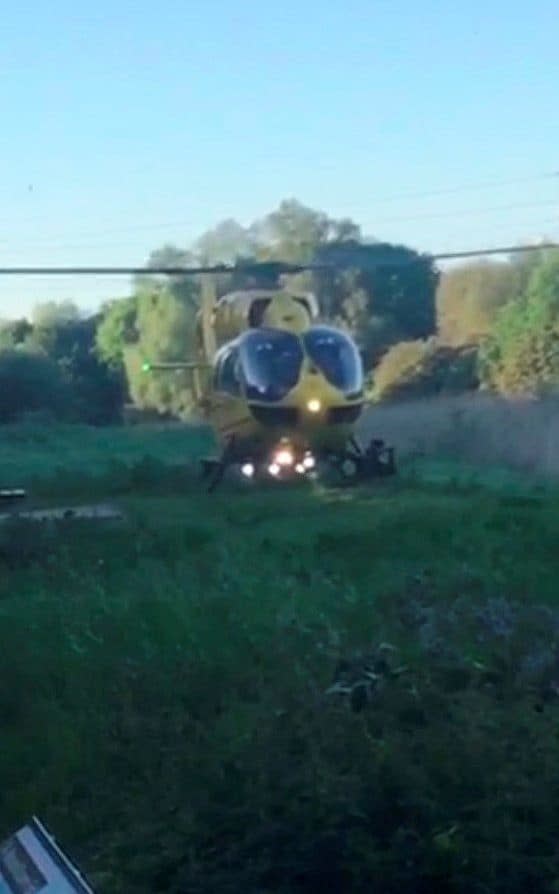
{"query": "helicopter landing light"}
(314, 405)
(300, 468)
(283, 457)
(308, 462)
(247, 470)
(274, 469)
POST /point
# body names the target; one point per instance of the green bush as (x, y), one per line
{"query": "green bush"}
(29, 382)
(521, 356)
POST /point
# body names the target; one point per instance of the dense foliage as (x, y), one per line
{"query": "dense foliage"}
(413, 369)
(392, 299)
(52, 366)
(29, 382)
(522, 352)
(469, 298)
(497, 329)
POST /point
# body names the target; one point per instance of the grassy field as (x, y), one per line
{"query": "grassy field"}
(34, 454)
(201, 699)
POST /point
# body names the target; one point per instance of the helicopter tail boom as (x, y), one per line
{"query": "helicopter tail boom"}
(179, 364)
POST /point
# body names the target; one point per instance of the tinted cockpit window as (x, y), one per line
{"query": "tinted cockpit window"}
(336, 357)
(226, 373)
(271, 363)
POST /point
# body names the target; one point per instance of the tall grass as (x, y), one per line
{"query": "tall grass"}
(197, 699)
(479, 429)
(66, 459)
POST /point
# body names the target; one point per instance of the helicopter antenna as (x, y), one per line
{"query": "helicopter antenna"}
(208, 335)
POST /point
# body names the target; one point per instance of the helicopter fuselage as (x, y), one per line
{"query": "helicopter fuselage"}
(272, 385)
(313, 416)
(282, 391)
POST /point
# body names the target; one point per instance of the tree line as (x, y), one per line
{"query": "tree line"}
(487, 324)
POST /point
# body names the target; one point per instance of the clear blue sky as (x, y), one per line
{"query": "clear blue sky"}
(132, 124)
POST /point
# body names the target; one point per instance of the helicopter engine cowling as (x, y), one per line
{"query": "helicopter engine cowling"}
(238, 311)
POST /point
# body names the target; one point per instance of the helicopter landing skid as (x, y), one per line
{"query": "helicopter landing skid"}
(355, 464)
(214, 469)
(363, 464)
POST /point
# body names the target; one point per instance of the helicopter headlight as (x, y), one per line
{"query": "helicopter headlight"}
(247, 470)
(274, 469)
(309, 462)
(314, 405)
(284, 457)
(299, 468)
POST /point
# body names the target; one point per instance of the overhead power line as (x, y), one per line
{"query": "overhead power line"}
(371, 202)
(52, 242)
(511, 206)
(280, 267)
(486, 184)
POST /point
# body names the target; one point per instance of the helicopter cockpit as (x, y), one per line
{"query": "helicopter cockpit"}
(336, 356)
(271, 361)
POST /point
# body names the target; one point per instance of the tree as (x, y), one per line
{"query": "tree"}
(225, 243)
(98, 390)
(14, 333)
(469, 297)
(186, 288)
(29, 382)
(521, 355)
(165, 324)
(294, 232)
(94, 392)
(53, 312)
(385, 293)
(117, 328)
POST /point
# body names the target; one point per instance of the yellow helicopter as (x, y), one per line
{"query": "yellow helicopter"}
(281, 390)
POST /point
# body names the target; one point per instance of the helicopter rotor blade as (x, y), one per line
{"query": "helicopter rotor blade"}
(511, 250)
(278, 268)
(224, 269)
(179, 364)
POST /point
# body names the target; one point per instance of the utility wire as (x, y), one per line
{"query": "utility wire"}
(54, 243)
(456, 214)
(488, 184)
